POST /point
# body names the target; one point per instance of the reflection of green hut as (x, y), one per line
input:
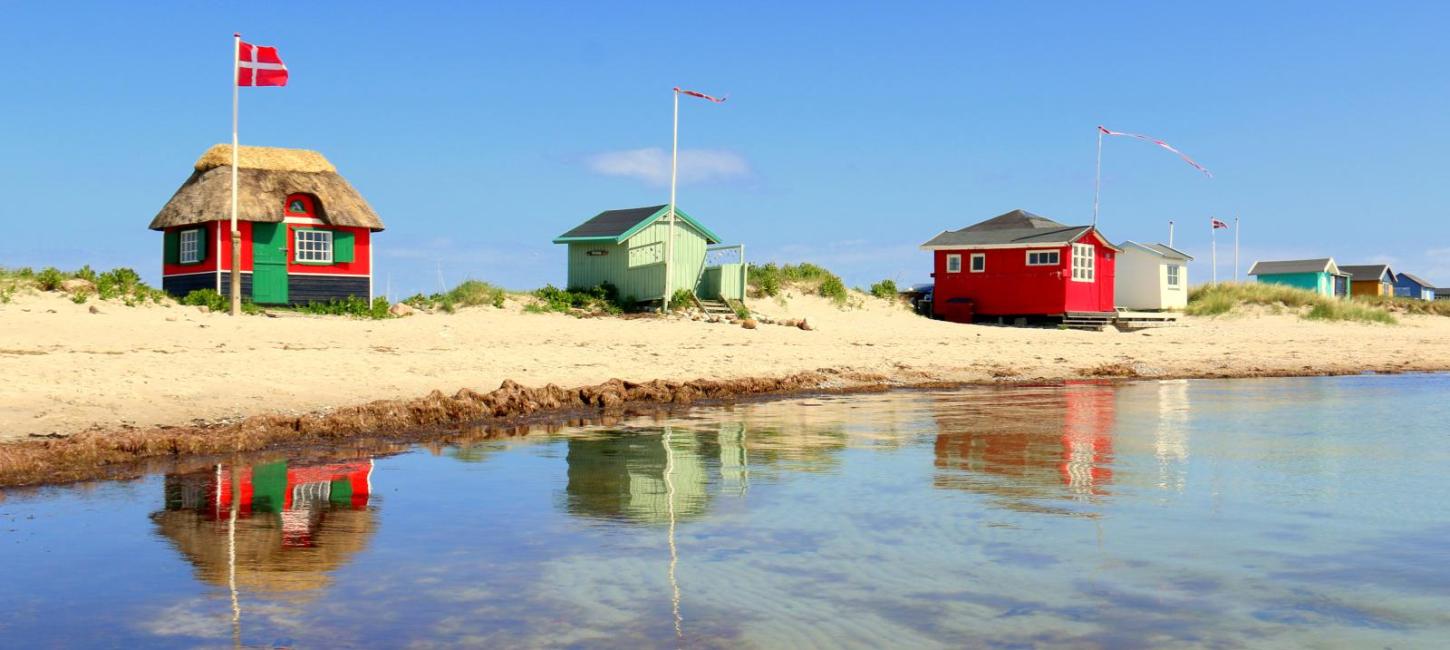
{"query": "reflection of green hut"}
(624, 477)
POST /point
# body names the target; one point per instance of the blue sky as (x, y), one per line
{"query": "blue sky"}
(853, 132)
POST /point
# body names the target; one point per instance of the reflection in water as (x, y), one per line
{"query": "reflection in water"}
(1312, 518)
(1037, 443)
(273, 527)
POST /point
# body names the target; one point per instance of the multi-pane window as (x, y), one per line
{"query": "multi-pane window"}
(1173, 275)
(1043, 258)
(979, 262)
(954, 263)
(314, 246)
(190, 246)
(1083, 263)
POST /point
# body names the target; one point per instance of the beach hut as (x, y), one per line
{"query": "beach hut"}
(627, 248)
(1410, 286)
(1320, 275)
(306, 233)
(1370, 279)
(1151, 276)
(1024, 267)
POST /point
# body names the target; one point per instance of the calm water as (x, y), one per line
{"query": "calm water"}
(1288, 513)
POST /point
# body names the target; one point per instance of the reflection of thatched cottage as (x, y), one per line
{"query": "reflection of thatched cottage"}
(296, 524)
(306, 233)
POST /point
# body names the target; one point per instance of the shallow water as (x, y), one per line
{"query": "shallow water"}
(1284, 512)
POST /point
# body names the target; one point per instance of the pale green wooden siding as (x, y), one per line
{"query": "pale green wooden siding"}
(724, 281)
(637, 266)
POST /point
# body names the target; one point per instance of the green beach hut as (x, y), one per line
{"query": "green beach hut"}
(627, 248)
(1320, 275)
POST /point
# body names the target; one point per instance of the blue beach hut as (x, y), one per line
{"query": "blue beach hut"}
(1409, 286)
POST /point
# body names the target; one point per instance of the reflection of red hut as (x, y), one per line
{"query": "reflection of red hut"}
(295, 524)
(1031, 445)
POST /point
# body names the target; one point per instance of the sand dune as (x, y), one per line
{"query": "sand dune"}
(67, 370)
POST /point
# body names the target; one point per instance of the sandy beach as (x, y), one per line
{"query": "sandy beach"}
(69, 370)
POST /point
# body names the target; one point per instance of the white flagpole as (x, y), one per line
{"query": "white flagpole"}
(1098, 177)
(236, 235)
(674, 176)
(1236, 249)
(1213, 235)
(1170, 233)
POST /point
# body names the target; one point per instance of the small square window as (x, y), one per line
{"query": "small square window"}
(979, 262)
(190, 246)
(954, 263)
(314, 246)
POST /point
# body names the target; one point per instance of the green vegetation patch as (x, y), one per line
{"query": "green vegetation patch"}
(768, 279)
(1225, 298)
(885, 289)
(603, 299)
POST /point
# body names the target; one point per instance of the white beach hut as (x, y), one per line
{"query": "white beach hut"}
(1151, 277)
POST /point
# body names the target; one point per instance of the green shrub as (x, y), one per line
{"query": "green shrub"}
(682, 299)
(742, 312)
(85, 273)
(885, 289)
(80, 297)
(353, 306)
(50, 279)
(208, 298)
(6, 294)
(603, 298)
(833, 288)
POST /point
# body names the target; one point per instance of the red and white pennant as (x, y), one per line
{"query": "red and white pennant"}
(1160, 143)
(696, 93)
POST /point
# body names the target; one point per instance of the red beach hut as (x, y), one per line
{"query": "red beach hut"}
(1022, 267)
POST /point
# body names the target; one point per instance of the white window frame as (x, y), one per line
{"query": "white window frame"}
(972, 263)
(190, 254)
(1056, 257)
(1084, 263)
(954, 260)
(1175, 276)
(314, 254)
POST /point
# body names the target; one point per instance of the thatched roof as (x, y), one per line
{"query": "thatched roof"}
(266, 175)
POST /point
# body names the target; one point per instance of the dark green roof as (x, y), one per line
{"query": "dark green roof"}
(1018, 227)
(619, 225)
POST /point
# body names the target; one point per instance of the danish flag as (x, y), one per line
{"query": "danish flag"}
(1218, 224)
(259, 65)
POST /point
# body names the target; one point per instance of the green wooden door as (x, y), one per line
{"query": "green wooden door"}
(269, 263)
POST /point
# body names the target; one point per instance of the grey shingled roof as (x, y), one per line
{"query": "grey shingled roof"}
(1316, 265)
(1163, 250)
(1418, 280)
(1368, 272)
(612, 223)
(1015, 227)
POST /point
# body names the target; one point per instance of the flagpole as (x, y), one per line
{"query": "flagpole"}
(1213, 237)
(1236, 249)
(674, 176)
(1170, 233)
(1098, 177)
(236, 289)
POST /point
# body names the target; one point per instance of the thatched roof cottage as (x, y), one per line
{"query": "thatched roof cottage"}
(306, 232)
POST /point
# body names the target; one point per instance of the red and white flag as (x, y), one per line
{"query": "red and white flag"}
(1218, 224)
(694, 93)
(259, 65)
(1160, 143)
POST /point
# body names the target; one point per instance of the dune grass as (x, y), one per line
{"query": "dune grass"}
(769, 279)
(1228, 297)
(120, 283)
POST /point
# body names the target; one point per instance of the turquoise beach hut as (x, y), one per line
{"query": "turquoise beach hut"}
(1320, 275)
(627, 248)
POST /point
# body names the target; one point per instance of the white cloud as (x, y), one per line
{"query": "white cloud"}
(652, 165)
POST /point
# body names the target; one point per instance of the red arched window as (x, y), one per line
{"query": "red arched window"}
(300, 205)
